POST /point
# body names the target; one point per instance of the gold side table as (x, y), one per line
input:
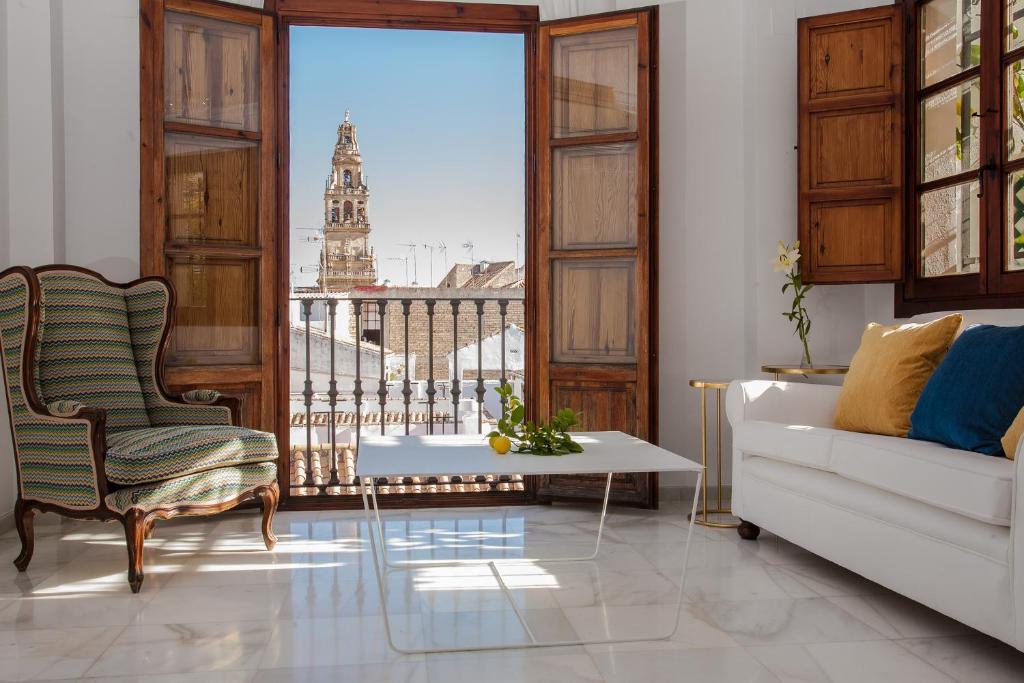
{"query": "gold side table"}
(779, 370)
(702, 518)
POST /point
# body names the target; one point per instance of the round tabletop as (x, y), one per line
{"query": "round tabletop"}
(800, 370)
(709, 384)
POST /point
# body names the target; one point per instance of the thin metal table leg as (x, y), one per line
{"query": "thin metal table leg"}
(534, 642)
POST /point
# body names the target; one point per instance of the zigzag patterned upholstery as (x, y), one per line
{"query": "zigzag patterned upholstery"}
(140, 456)
(54, 455)
(80, 359)
(85, 348)
(216, 486)
(148, 303)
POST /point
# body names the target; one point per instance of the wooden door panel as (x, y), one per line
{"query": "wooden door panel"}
(851, 151)
(593, 307)
(209, 327)
(593, 258)
(852, 147)
(602, 406)
(594, 197)
(594, 86)
(854, 231)
(208, 193)
(212, 190)
(849, 61)
(211, 72)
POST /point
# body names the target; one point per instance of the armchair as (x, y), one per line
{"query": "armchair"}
(96, 433)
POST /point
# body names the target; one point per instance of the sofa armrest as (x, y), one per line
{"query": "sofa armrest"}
(1017, 544)
(789, 402)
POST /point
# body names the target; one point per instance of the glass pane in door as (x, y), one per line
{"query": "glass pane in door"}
(949, 131)
(211, 72)
(950, 38)
(594, 83)
(212, 190)
(949, 230)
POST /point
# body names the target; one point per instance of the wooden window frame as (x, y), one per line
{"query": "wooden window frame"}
(992, 286)
(398, 14)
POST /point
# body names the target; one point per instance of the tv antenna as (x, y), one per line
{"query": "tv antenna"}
(443, 248)
(415, 270)
(317, 236)
(469, 246)
(431, 247)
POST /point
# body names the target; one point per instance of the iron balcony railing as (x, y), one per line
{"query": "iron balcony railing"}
(347, 377)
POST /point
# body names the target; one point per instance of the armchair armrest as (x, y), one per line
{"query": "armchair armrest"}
(197, 407)
(790, 402)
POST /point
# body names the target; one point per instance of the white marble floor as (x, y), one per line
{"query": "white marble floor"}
(217, 607)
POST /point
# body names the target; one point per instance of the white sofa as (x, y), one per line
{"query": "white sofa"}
(938, 525)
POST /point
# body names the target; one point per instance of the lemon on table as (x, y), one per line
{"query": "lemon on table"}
(501, 444)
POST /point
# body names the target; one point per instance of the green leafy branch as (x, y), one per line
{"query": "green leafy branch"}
(543, 438)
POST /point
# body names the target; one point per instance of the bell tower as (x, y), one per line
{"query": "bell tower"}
(347, 259)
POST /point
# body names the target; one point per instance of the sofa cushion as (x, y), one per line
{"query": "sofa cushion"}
(793, 443)
(975, 393)
(888, 373)
(150, 455)
(966, 483)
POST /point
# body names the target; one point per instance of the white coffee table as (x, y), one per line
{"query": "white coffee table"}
(430, 456)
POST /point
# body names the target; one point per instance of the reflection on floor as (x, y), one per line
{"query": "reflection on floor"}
(215, 601)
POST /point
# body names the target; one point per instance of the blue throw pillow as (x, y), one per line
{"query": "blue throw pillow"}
(976, 391)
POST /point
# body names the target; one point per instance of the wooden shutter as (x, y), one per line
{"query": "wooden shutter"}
(851, 150)
(595, 290)
(208, 182)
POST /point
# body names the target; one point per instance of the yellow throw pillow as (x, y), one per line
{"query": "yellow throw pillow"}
(1012, 436)
(888, 374)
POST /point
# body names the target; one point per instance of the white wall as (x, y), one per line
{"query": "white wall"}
(69, 145)
(727, 84)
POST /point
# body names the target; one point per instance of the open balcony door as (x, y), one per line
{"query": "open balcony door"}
(207, 193)
(595, 293)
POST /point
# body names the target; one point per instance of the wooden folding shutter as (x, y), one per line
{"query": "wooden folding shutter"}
(851, 149)
(593, 259)
(207, 191)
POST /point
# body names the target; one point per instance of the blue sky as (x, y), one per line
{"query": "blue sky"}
(440, 119)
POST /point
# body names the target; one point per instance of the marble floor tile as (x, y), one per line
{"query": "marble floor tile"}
(389, 672)
(802, 620)
(970, 659)
(534, 666)
(878, 661)
(197, 604)
(47, 654)
(147, 649)
(216, 606)
(637, 665)
(302, 643)
(895, 616)
(648, 621)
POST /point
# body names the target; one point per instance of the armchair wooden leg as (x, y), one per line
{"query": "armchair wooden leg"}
(148, 532)
(135, 534)
(23, 513)
(268, 500)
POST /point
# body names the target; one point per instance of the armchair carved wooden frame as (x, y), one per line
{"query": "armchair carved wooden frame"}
(96, 433)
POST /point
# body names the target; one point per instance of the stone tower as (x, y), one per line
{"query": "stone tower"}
(347, 259)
